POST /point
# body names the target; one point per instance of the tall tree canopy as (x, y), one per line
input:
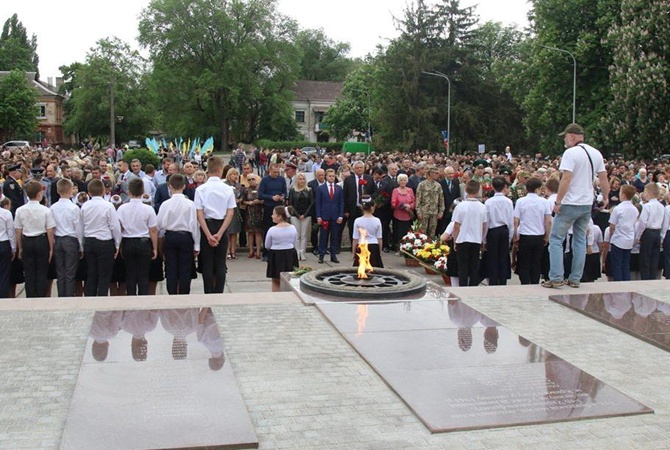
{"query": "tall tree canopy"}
(17, 50)
(322, 58)
(640, 107)
(111, 65)
(18, 106)
(222, 66)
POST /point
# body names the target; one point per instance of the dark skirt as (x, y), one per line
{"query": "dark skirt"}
(281, 261)
(591, 268)
(51, 273)
(119, 271)
(156, 269)
(81, 270)
(17, 271)
(375, 256)
(452, 264)
(634, 262)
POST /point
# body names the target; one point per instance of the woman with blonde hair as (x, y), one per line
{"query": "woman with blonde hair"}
(233, 180)
(300, 207)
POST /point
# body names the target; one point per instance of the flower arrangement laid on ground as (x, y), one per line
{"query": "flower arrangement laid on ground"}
(413, 241)
(299, 271)
(433, 251)
(441, 264)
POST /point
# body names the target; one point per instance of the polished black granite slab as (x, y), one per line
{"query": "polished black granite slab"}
(156, 379)
(633, 313)
(458, 369)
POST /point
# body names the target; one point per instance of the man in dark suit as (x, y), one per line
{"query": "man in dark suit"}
(383, 209)
(356, 186)
(319, 179)
(451, 187)
(12, 188)
(329, 215)
(163, 193)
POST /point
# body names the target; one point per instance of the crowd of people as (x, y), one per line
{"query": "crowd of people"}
(99, 224)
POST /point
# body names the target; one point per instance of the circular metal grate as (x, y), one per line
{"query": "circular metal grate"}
(381, 284)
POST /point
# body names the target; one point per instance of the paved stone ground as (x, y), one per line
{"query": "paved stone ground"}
(305, 387)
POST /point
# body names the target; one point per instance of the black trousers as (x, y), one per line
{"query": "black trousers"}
(650, 253)
(350, 223)
(400, 229)
(5, 268)
(36, 265)
(467, 255)
(314, 235)
(66, 253)
(267, 224)
(529, 258)
(178, 251)
(497, 260)
(137, 254)
(99, 266)
(384, 216)
(213, 259)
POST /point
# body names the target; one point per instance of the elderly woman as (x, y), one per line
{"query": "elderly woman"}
(403, 203)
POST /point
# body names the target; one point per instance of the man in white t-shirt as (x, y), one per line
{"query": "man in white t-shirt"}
(579, 166)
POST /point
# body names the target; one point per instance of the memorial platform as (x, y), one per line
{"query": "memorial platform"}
(303, 384)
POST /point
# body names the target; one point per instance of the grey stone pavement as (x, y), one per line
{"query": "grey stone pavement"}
(306, 388)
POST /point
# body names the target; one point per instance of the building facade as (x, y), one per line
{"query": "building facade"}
(312, 100)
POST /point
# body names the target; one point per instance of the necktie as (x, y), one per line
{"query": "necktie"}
(332, 191)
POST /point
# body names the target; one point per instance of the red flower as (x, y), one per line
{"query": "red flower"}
(362, 182)
(324, 224)
(385, 194)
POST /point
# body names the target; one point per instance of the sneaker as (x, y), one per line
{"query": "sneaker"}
(572, 284)
(553, 284)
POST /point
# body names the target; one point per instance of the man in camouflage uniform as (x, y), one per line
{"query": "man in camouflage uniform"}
(429, 202)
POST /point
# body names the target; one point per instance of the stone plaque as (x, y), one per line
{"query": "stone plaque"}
(457, 369)
(156, 379)
(633, 313)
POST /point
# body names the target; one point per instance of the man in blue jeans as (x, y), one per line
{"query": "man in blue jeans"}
(579, 166)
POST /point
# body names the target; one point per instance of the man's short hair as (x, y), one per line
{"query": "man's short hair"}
(63, 186)
(214, 164)
(177, 182)
(95, 188)
(533, 184)
(472, 187)
(552, 184)
(498, 183)
(628, 190)
(33, 188)
(136, 187)
(652, 189)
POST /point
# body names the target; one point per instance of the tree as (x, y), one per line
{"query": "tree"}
(322, 58)
(640, 106)
(17, 52)
(112, 64)
(352, 110)
(217, 63)
(18, 106)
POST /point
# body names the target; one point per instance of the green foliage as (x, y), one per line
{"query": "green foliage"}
(353, 109)
(18, 106)
(640, 108)
(17, 51)
(322, 58)
(221, 68)
(145, 156)
(110, 65)
(292, 145)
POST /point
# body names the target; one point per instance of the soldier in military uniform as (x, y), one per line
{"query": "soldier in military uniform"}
(12, 188)
(429, 202)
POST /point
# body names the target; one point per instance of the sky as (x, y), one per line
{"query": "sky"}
(67, 29)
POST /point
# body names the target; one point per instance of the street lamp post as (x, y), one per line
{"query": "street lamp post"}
(574, 79)
(441, 75)
(369, 139)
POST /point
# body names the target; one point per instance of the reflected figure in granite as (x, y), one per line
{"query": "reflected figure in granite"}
(138, 324)
(617, 304)
(106, 325)
(466, 318)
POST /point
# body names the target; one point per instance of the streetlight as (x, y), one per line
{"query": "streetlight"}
(574, 79)
(369, 114)
(441, 75)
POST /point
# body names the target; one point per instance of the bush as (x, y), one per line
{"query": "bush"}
(292, 145)
(145, 156)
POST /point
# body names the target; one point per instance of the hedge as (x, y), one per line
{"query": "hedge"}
(145, 156)
(292, 145)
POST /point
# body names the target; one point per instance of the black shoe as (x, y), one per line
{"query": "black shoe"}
(334, 259)
(386, 250)
(320, 259)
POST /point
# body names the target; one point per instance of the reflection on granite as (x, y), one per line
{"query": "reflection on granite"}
(633, 313)
(458, 369)
(156, 379)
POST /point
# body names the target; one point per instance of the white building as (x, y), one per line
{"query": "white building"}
(312, 100)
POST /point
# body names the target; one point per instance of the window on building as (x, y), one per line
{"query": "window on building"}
(43, 110)
(318, 116)
(300, 116)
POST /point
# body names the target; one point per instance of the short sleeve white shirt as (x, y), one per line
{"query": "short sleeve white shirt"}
(531, 211)
(624, 218)
(471, 215)
(215, 198)
(576, 161)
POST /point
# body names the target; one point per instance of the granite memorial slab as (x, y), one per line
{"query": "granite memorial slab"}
(633, 313)
(457, 369)
(156, 379)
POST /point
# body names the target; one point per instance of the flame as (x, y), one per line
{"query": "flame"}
(362, 313)
(363, 255)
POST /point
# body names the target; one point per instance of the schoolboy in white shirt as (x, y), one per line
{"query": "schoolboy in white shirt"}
(649, 229)
(470, 226)
(622, 231)
(69, 241)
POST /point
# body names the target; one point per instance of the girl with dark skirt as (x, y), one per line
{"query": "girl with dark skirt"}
(280, 241)
(373, 230)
